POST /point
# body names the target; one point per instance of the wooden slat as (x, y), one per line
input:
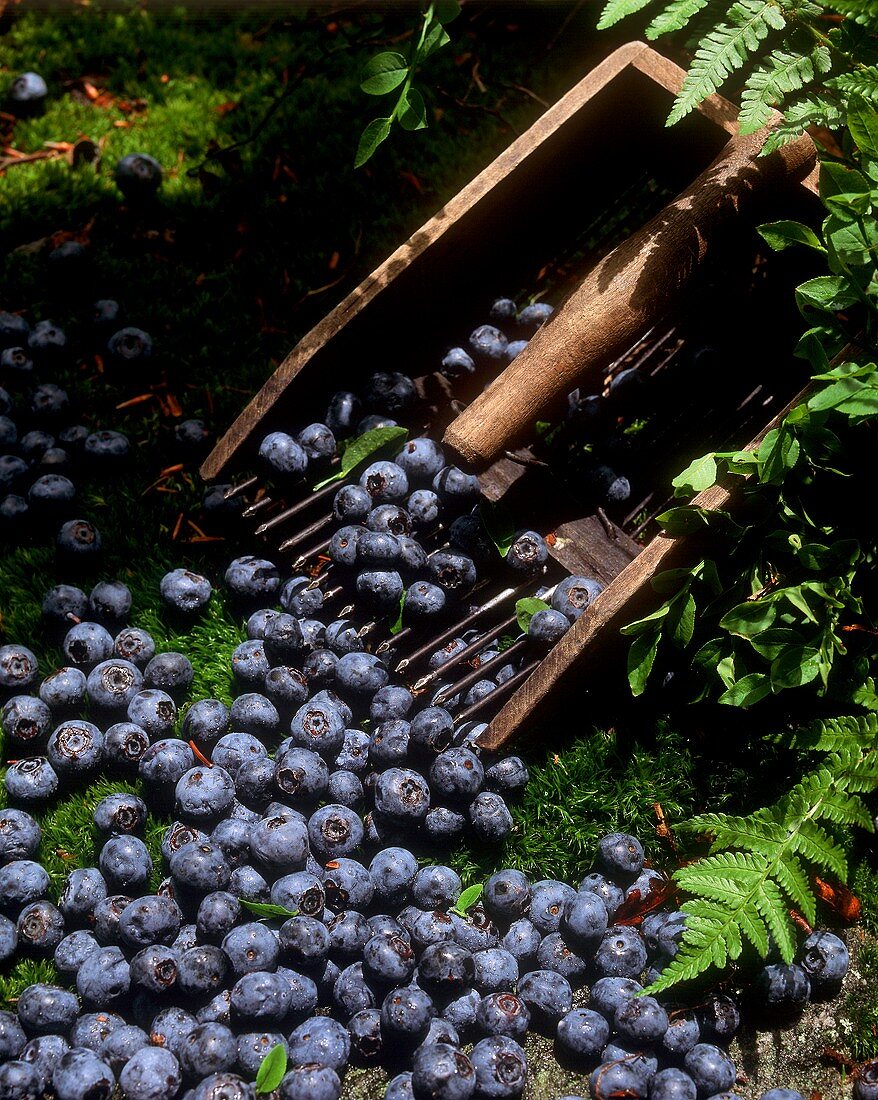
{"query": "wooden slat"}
(629, 596)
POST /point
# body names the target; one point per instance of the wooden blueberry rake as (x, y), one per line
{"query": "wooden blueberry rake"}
(596, 171)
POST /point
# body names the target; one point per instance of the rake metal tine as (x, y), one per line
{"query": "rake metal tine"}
(319, 548)
(254, 509)
(470, 651)
(474, 675)
(289, 513)
(305, 533)
(241, 487)
(461, 624)
(504, 689)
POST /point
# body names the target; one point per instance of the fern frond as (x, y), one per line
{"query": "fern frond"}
(724, 50)
(783, 73)
(675, 17)
(862, 82)
(759, 864)
(858, 11)
(617, 10)
(816, 109)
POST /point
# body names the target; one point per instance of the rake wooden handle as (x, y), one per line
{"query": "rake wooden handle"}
(622, 296)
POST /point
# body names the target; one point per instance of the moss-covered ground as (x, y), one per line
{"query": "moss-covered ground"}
(243, 252)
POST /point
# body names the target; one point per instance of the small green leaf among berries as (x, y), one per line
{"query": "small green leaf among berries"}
(272, 1069)
(468, 899)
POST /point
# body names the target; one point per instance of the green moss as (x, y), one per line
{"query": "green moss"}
(861, 1006)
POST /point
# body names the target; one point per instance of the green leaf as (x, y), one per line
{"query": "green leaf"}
(747, 691)
(498, 524)
(682, 620)
(829, 292)
(863, 125)
(772, 642)
(674, 18)
(412, 112)
(793, 667)
(376, 132)
(700, 474)
(468, 899)
(272, 1069)
(616, 10)
(684, 520)
(435, 38)
(780, 235)
(267, 911)
(526, 608)
(838, 179)
(394, 624)
(641, 657)
(749, 619)
(361, 448)
(384, 72)
(846, 202)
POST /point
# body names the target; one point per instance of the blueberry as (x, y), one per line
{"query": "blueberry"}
(783, 988)
(393, 872)
(585, 917)
(405, 1015)
(92, 1028)
(641, 1020)
(334, 831)
(302, 892)
(621, 953)
(204, 794)
(382, 589)
(456, 488)
(47, 338)
(20, 835)
(495, 970)
(14, 330)
(547, 995)
(457, 363)
(16, 363)
(283, 456)
(106, 445)
(250, 578)
(351, 993)
(389, 745)
(490, 817)
(390, 392)
(476, 931)
(500, 1066)
(711, 1069)
(623, 1076)
(547, 627)
(310, 1082)
(621, 855)
(825, 959)
(83, 888)
(112, 684)
(154, 711)
(45, 1009)
(43, 1054)
(436, 887)
(366, 1041)
(514, 348)
(343, 545)
(423, 507)
(456, 774)
(32, 780)
(400, 1087)
(224, 1086)
(18, 668)
(286, 687)
(351, 504)
(169, 672)
(719, 1019)
(199, 867)
(135, 645)
(791, 1094)
(201, 970)
(574, 594)
(12, 470)
(125, 862)
(442, 1072)
(121, 1045)
(80, 1073)
(423, 600)
(488, 343)
(610, 894)
(535, 315)
(26, 720)
(521, 939)
(682, 1035)
(235, 750)
(388, 960)
(582, 1034)
(402, 796)
(154, 968)
(185, 591)
(232, 837)
(320, 1040)
(104, 976)
(138, 176)
(301, 773)
(452, 570)
(152, 919)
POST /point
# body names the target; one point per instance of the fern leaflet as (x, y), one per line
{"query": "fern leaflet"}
(724, 50)
(758, 865)
(859, 11)
(784, 72)
(675, 17)
(863, 82)
(616, 10)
